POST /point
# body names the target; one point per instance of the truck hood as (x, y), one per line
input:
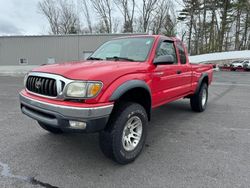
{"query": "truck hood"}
(94, 70)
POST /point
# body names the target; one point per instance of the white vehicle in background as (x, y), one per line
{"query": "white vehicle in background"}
(236, 64)
(246, 65)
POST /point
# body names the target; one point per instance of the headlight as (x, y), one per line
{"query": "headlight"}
(25, 79)
(83, 89)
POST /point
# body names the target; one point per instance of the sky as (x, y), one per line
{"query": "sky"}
(21, 17)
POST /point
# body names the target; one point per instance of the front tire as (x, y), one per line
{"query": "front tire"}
(198, 101)
(125, 136)
(50, 128)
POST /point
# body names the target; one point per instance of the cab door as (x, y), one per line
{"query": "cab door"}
(185, 69)
(166, 78)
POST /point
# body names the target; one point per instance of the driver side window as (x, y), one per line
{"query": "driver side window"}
(166, 48)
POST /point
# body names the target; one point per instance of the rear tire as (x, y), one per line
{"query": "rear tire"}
(125, 136)
(198, 101)
(50, 128)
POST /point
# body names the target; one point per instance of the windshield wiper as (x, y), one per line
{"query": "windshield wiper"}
(94, 58)
(119, 58)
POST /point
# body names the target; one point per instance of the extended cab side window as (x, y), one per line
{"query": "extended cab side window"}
(166, 48)
(181, 49)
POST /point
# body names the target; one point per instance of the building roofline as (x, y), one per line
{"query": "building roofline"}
(71, 35)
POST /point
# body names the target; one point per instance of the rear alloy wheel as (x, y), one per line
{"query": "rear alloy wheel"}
(199, 100)
(125, 136)
(50, 128)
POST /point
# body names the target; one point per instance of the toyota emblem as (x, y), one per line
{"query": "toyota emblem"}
(38, 84)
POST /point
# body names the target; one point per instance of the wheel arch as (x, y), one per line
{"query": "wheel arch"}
(134, 91)
(203, 79)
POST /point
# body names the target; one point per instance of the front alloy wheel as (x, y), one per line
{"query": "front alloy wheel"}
(132, 133)
(125, 136)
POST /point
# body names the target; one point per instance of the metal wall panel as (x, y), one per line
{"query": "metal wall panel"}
(41, 49)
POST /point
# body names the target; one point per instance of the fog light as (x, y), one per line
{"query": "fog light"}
(77, 125)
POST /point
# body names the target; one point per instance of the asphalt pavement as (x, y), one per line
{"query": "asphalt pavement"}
(183, 148)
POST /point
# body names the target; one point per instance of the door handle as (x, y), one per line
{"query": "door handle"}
(179, 72)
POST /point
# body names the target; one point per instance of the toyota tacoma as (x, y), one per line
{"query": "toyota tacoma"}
(114, 91)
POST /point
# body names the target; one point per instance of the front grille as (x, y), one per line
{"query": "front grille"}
(42, 85)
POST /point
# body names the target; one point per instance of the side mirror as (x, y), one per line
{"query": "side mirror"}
(164, 60)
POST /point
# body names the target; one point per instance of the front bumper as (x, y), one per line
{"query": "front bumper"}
(59, 116)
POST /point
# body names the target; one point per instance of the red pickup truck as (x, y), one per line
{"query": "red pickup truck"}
(114, 91)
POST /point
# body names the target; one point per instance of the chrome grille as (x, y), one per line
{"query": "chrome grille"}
(42, 85)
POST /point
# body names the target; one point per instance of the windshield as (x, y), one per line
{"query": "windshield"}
(126, 49)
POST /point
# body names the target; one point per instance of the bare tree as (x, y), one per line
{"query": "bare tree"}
(87, 15)
(68, 18)
(226, 6)
(52, 13)
(99, 27)
(115, 26)
(148, 6)
(170, 24)
(164, 20)
(61, 15)
(188, 15)
(127, 8)
(104, 11)
(244, 24)
(160, 15)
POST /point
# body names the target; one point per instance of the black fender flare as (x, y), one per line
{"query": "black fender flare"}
(200, 82)
(131, 84)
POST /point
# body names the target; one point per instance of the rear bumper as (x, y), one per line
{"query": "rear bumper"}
(59, 116)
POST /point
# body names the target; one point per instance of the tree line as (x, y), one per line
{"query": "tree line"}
(206, 26)
(109, 16)
(216, 25)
